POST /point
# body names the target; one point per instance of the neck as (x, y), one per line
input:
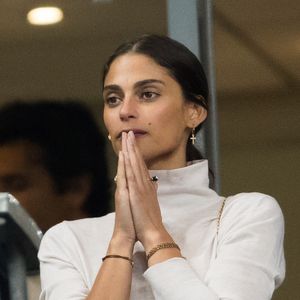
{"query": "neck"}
(172, 159)
(166, 163)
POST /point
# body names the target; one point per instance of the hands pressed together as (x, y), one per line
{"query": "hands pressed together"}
(138, 216)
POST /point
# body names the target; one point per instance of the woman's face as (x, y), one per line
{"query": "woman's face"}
(141, 96)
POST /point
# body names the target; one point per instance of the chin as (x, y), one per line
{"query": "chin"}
(149, 157)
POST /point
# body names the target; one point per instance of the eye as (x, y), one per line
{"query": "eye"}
(112, 101)
(149, 95)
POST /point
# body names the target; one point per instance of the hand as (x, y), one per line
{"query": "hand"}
(124, 231)
(144, 205)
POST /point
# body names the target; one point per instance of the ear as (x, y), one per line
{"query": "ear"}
(195, 114)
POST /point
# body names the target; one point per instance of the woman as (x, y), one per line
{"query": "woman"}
(173, 238)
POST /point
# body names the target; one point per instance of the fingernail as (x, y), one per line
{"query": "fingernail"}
(131, 135)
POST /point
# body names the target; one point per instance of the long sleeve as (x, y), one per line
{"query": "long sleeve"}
(59, 276)
(244, 261)
(248, 262)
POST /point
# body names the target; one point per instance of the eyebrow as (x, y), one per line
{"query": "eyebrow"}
(112, 87)
(117, 88)
(7, 179)
(147, 81)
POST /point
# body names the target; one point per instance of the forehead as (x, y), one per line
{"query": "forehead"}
(19, 154)
(135, 67)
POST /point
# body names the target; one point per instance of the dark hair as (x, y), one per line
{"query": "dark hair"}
(70, 142)
(181, 64)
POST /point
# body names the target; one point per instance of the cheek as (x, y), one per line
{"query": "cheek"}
(105, 119)
(28, 200)
(108, 120)
(172, 128)
(169, 119)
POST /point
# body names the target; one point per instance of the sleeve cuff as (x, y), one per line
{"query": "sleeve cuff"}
(175, 279)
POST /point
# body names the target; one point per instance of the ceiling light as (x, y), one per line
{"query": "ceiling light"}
(45, 15)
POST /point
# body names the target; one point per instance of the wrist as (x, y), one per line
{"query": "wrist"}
(121, 246)
(163, 254)
(155, 238)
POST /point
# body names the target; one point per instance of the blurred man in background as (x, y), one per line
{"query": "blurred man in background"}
(52, 160)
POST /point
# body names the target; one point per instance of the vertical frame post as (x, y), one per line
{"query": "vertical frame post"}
(190, 22)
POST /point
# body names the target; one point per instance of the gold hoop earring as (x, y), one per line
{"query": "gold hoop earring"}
(193, 136)
(109, 137)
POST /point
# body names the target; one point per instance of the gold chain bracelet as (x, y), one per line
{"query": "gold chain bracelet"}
(161, 246)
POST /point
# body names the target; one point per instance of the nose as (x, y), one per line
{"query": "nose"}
(128, 109)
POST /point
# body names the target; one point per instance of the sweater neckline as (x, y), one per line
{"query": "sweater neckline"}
(192, 177)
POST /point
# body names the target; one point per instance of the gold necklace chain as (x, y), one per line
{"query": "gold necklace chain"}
(220, 215)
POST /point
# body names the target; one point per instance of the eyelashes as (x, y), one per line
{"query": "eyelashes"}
(113, 100)
(149, 95)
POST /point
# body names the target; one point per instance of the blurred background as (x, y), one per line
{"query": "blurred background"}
(257, 64)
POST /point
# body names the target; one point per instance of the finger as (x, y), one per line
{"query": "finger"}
(136, 166)
(135, 186)
(127, 164)
(121, 194)
(123, 217)
(124, 142)
(136, 150)
(125, 154)
(138, 163)
(128, 172)
(121, 177)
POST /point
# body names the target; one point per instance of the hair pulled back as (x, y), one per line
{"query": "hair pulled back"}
(181, 64)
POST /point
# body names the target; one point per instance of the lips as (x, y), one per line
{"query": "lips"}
(137, 132)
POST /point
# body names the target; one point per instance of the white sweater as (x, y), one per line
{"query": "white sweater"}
(244, 260)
